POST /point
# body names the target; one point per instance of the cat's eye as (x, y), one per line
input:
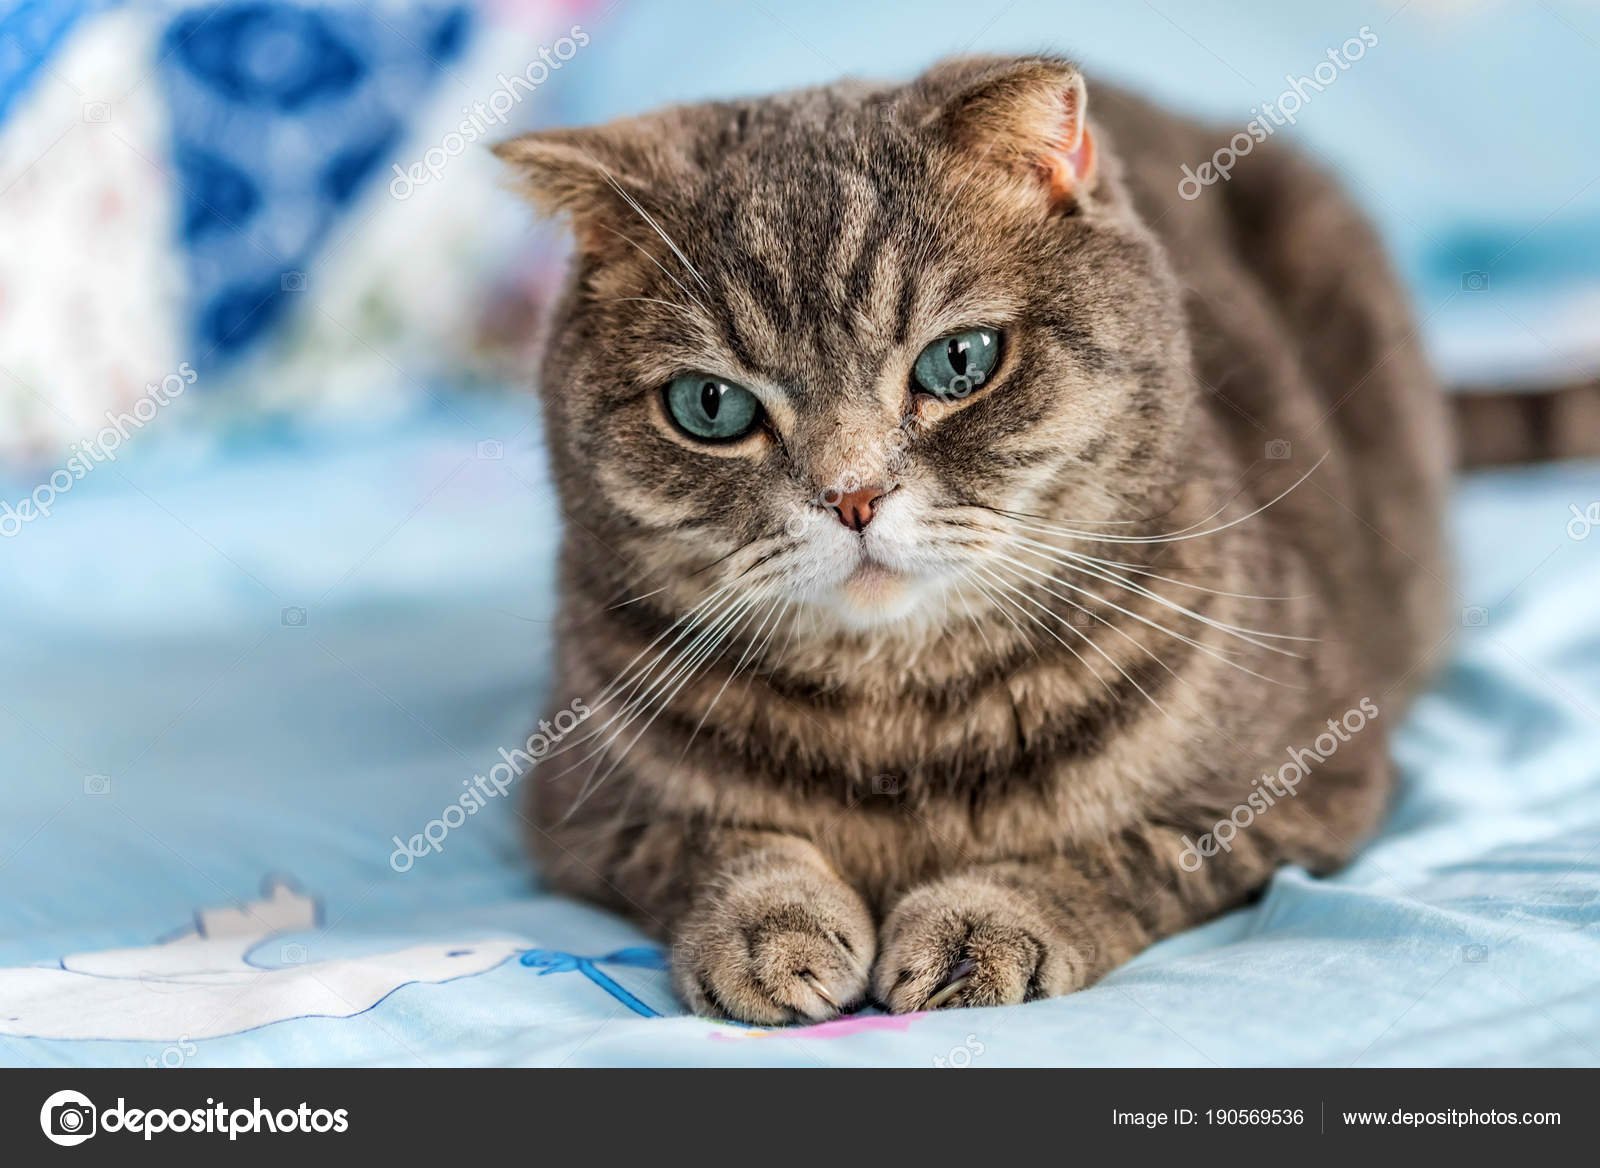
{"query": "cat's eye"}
(953, 367)
(711, 409)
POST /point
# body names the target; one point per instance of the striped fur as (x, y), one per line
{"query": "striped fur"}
(1504, 426)
(974, 784)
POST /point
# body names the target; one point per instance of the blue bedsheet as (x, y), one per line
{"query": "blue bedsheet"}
(237, 683)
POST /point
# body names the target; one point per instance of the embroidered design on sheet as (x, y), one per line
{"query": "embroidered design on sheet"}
(640, 957)
(235, 969)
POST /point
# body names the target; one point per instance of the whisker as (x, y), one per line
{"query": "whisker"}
(753, 647)
(628, 682)
(646, 253)
(688, 658)
(689, 617)
(990, 597)
(1141, 571)
(974, 618)
(1095, 673)
(713, 648)
(1206, 649)
(637, 599)
(1108, 658)
(1073, 563)
(654, 226)
(1183, 533)
(1196, 707)
(646, 300)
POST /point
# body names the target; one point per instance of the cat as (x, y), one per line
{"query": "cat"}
(982, 560)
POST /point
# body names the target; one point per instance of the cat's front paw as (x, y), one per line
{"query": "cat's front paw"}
(784, 944)
(967, 941)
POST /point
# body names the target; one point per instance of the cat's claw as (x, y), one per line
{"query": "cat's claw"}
(955, 981)
(970, 941)
(821, 991)
(777, 946)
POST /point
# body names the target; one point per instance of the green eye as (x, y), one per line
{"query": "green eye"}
(711, 409)
(954, 366)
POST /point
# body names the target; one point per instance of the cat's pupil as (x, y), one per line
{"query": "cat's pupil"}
(710, 398)
(956, 352)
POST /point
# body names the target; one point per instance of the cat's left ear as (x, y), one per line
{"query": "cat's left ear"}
(595, 176)
(1031, 114)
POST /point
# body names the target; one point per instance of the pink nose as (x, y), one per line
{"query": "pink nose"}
(855, 509)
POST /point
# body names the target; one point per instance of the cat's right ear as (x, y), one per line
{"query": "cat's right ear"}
(1031, 114)
(592, 175)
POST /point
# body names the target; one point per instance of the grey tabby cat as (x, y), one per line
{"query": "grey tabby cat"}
(974, 547)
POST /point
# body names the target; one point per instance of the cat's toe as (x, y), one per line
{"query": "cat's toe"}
(772, 958)
(948, 945)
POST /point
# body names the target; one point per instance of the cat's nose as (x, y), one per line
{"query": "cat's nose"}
(856, 509)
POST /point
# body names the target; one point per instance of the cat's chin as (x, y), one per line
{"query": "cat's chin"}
(873, 596)
(873, 586)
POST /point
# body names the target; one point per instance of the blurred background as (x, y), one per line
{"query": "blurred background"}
(275, 573)
(276, 203)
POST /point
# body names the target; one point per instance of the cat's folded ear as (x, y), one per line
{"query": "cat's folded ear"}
(1028, 113)
(595, 176)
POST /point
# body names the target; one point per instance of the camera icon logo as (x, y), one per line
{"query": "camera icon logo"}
(292, 954)
(97, 784)
(293, 282)
(97, 112)
(1474, 954)
(1474, 616)
(68, 1118)
(491, 449)
(294, 617)
(1279, 448)
(885, 784)
(1474, 281)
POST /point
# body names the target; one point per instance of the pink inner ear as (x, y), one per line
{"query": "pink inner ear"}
(1071, 168)
(1070, 164)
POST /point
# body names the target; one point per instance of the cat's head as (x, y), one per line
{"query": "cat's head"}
(837, 344)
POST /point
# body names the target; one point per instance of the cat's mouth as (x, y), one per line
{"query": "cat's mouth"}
(873, 585)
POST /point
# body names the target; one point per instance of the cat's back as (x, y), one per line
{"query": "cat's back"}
(1304, 338)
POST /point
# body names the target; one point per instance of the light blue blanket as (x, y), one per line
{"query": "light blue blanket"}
(237, 684)
(233, 681)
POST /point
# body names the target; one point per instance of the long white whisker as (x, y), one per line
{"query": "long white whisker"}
(1206, 649)
(684, 663)
(1074, 563)
(647, 687)
(1090, 641)
(632, 687)
(1196, 709)
(961, 596)
(1182, 533)
(992, 599)
(644, 251)
(1139, 571)
(687, 675)
(654, 226)
(752, 647)
(1095, 673)
(689, 618)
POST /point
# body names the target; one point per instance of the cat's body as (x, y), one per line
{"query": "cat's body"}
(996, 781)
